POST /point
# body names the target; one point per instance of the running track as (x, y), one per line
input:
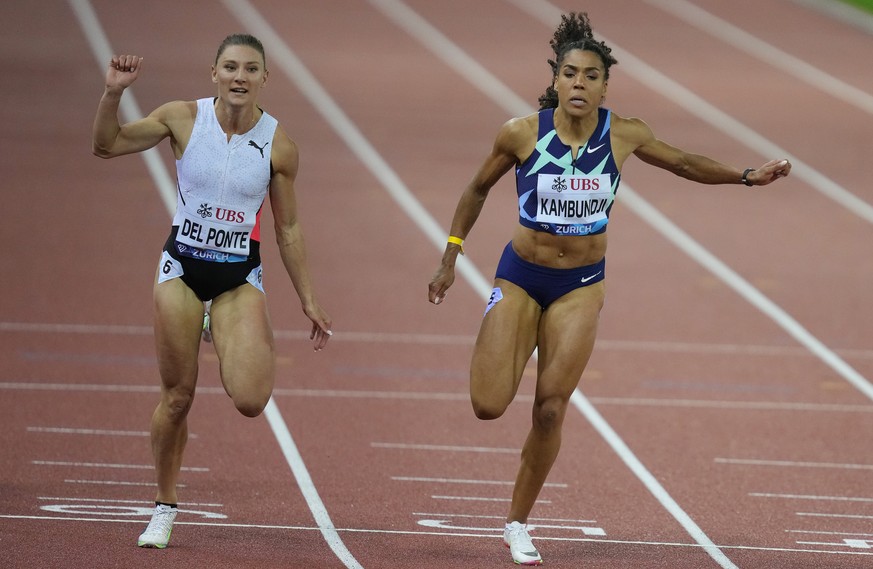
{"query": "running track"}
(724, 421)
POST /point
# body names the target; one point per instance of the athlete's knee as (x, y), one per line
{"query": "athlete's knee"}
(249, 388)
(548, 413)
(176, 403)
(250, 404)
(487, 410)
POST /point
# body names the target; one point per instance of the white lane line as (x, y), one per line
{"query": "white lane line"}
(746, 405)
(111, 501)
(376, 532)
(58, 328)
(810, 497)
(479, 499)
(350, 394)
(603, 344)
(90, 432)
(464, 396)
(715, 349)
(101, 387)
(793, 464)
(452, 480)
(106, 388)
(116, 483)
(447, 448)
(616, 401)
(301, 335)
(165, 186)
(442, 523)
(754, 297)
(467, 481)
(307, 487)
(333, 115)
(130, 110)
(649, 481)
(95, 432)
(757, 48)
(825, 515)
(539, 521)
(856, 543)
(110, 465)
(182, 523)
(817, 532)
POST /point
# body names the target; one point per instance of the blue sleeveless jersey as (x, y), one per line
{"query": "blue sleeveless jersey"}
(565, 197)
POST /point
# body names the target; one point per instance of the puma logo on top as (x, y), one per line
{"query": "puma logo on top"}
(260, 148)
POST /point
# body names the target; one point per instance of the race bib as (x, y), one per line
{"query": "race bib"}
(169, 268)
(209, 226)
(573, 199)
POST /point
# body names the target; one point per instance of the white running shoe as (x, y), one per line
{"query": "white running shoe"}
(207, 325)
(157, 534)
(516, 538)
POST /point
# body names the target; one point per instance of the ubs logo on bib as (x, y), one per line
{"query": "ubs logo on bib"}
(205, 210)
(585, 184)
(230, 215)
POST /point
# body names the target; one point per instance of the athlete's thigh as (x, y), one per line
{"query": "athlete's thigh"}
(567, 333)
(506, 340)
(178, 323)
(243, 339)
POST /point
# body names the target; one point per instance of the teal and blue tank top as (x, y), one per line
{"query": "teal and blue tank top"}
(563, 196)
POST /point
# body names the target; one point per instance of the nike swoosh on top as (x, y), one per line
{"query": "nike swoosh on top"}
(590, 150)
(586, 279)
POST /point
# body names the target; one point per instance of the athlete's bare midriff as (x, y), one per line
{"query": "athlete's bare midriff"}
(558, 251)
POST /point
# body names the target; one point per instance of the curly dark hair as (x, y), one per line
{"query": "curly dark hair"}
(242, 39)
(574, 32)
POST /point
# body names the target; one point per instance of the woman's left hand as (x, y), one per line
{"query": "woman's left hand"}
(769, 172)
(321, 331)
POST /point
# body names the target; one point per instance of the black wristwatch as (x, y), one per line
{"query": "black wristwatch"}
(745, 177)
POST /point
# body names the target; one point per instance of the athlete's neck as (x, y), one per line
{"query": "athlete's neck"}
(236, 120)
(574, 131)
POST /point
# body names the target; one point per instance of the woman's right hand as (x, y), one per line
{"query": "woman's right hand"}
(440, 283)
(123, 71)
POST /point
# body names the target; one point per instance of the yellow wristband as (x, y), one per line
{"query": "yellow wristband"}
(457, 241)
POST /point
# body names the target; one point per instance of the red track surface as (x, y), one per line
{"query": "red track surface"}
(759, 441)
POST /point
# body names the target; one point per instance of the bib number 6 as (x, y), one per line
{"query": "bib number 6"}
(168, 268)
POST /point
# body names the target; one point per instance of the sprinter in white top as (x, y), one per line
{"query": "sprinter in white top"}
(230, 155)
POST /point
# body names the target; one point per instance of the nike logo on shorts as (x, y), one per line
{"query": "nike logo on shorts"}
(586, 279)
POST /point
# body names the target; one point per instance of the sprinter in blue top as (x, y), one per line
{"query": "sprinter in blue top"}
(562, 194)
(549, 288)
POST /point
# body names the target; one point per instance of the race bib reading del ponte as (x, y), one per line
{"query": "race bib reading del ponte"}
(210, 226)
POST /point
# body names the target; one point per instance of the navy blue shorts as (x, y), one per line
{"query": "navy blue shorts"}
(544, 284)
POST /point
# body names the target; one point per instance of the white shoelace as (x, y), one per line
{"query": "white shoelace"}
(161, 522)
